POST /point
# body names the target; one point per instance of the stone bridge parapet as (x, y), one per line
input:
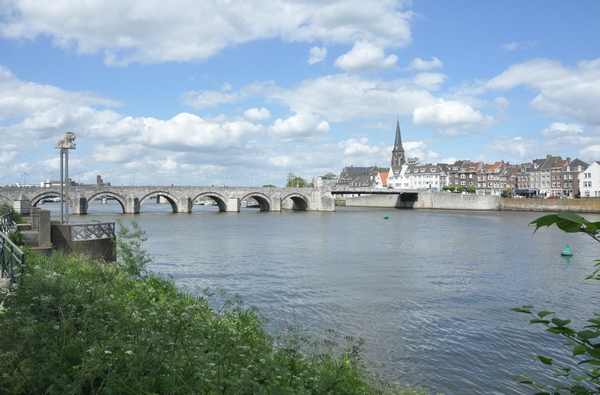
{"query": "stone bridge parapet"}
(181, 198)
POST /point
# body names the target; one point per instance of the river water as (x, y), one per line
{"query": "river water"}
(429, 290)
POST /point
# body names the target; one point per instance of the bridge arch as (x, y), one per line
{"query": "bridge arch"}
(38, 198)
(264, 202)
(113, 195)
(299, 201)
(172, 199)
(217, 197)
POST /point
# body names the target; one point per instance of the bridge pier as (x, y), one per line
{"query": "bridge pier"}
(79, 205)
(233, 205)
(321, 201)
(132, 205)
(185, 205)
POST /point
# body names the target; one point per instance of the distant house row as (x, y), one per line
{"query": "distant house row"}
(549, 176)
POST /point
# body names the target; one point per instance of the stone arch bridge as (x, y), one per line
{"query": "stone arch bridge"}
(181, 198)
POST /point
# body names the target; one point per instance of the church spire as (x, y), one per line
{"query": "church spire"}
(398, 158)
(398, 144)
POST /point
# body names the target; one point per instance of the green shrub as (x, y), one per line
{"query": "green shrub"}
(16, 237)
(15, 216)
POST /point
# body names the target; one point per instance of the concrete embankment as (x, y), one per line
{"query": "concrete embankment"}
(457, 201)
(586, 205)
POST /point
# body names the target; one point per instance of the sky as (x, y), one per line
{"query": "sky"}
(244, 92)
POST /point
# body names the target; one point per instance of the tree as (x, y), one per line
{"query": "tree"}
(460, 188)
(585, 379)
(471, 190)
(294, 181)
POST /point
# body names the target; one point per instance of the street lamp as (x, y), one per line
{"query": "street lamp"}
(24, 175)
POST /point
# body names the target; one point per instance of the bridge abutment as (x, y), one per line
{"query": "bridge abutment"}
(321, 201)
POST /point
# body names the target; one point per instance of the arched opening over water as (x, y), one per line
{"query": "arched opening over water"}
(160, 197)
(295, 201)
(46, 197)
(104, 198)
(264, 202)
(216, 198)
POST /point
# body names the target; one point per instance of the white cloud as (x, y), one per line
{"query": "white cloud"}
(7, 156)
(128, 31)
(429, 81)
(345, 97)
(358, 147)
(450, 114)
(299, 127)
(561, 129)
(317, 54)
(18, 98)
(365, 57)
(209, 98)
(563, 92)
(187, 131)
(257, 115)
(516, 46)
(420, 64)
(590, 154)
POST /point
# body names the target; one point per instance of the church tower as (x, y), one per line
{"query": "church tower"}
(398, 158)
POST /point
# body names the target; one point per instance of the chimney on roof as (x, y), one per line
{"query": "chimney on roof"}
(568, 160)
(548, 156)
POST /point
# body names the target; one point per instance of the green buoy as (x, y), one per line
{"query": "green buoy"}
(386, 217)
(567, 251)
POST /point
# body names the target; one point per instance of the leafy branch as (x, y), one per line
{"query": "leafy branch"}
(587, 379)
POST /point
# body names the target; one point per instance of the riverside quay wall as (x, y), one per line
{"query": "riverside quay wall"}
(457, 201)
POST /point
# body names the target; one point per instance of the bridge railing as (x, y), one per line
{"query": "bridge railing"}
(12, 259)
(95, 230)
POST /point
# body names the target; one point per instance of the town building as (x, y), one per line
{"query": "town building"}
(360, 177)
(590, 181)
(572, 173)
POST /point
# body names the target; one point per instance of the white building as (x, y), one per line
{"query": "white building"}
(418, 176)
(589, 181)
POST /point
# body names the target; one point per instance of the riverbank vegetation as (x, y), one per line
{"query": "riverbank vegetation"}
(83, 326)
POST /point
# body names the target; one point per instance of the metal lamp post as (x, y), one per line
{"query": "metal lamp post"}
(65, 143)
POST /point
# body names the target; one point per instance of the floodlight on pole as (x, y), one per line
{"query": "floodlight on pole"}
(65, 143)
